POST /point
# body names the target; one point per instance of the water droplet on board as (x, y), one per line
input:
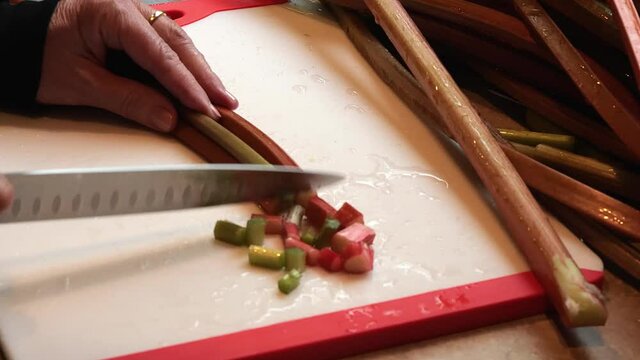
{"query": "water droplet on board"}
(386, 178)
(386, 171)
(319, 79)
(299, 89)
(390, 284)
(356, 108)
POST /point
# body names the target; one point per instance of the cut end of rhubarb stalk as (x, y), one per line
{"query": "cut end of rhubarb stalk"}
(355, 233)
(583, 302)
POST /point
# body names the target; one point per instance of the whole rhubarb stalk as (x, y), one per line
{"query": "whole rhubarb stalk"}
(621, 117)
(629, 22)
(589, 202)
(578, 302)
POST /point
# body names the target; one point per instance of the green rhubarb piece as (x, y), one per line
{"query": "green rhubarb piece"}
(309, 235)
(289, 282)
(255, 231)
(329, 228)
(566, 142)
(265, 257)
(229, 232)
(295, 259)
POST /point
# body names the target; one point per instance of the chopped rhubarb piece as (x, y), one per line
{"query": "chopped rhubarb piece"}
(229, 232)
(291, 227)
(270, 206)
(295, 215)
(329, 228)
(290, 230)
(289, 282)
(265, 257)
(312, 253)
(255, 231)
(295, 258)
(348, 215)
(358, 258)
(274, 223)
(303, 197)
(309, 235)
(318, 210)
(354, 233)
(330, 260)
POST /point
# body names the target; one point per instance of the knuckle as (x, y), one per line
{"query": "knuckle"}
(129, 102)
(169, 56)
(178, 36)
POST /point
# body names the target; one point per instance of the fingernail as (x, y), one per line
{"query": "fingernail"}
(231, 97)
(162, 119)
(214, 112)
(6, 191)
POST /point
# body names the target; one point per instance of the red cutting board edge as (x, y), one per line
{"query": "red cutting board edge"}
(365, 328)
(189, 11)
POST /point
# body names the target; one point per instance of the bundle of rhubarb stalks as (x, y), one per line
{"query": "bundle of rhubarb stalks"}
(542, 97)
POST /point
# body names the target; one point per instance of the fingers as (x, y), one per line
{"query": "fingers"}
(180, 42)
(130, 99)
(6, 193)
(141, 42)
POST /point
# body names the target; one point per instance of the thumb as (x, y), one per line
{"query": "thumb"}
(6, 193)
(132, 100)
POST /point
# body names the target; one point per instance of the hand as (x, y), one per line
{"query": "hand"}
(6, 192)
(73, 72)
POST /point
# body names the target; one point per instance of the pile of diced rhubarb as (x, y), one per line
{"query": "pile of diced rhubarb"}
(313, 232)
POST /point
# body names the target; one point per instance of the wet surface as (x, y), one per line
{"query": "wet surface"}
(539, 337)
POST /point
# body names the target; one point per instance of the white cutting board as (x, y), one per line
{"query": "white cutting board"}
(90, 288)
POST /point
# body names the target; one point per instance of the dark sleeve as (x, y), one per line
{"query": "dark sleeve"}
(23, 30)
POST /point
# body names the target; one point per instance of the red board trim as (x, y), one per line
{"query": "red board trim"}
(376, 326)
(187, 12)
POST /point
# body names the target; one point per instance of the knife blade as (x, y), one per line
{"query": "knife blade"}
(73, 193)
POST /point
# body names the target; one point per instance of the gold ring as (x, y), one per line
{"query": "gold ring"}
(156, 14)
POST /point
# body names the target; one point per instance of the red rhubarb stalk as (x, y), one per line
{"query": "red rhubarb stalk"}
(580, 197)
(613, 111)
(563, 116)
(255, 138)
(629, 23)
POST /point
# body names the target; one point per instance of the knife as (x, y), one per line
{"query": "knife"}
(73, 193)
